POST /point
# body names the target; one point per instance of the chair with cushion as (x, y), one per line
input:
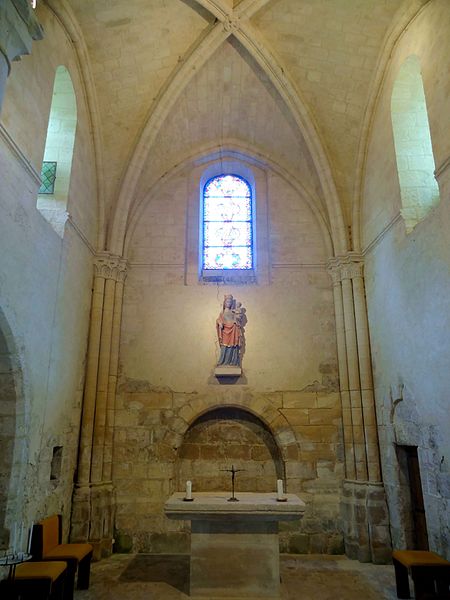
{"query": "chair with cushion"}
(41, 581)
(46, 545)
(429, 571)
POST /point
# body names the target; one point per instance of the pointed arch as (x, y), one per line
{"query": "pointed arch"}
(246, 154)
(407, 13)
(237, 24)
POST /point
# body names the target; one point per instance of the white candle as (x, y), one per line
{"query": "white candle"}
(188, 490)
(280, 493)
(29, 539)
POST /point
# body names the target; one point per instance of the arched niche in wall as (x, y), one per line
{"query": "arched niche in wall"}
(58, 154)
(227, 436)
(11, 530)
(412, 139)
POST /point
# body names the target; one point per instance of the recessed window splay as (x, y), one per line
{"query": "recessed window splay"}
(413, 148)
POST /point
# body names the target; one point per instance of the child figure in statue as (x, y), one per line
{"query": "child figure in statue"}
(229, 332)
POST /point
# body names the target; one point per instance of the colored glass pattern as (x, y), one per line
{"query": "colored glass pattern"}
(48, 176)
(227, 223)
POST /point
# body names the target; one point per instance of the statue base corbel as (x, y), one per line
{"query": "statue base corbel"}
(228, 371)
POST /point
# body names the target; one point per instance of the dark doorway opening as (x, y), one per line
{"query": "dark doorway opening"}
(411, 485)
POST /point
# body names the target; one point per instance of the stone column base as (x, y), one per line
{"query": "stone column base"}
(93, 517)
(366, 522)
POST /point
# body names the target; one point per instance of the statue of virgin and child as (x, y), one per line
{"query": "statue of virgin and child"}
(230, 331)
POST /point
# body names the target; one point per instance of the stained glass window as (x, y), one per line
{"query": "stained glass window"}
(227, 223)
(48, 176)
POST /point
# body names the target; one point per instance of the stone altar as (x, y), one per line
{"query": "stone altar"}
(234, 545)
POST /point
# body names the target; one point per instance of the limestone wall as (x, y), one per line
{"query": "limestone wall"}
(45, 286)
(408, 292)
(167, 358)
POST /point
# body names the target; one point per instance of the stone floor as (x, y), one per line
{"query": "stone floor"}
(166, 577)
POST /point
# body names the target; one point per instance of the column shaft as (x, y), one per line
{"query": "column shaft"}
(112, 382)
(90, 388)
(350, 468)
(102, 382)
(354, 381)
(365, 370)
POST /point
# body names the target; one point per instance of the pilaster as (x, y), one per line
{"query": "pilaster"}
(93, 505)
(366, 529)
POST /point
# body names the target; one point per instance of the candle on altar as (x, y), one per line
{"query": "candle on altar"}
(188, 490)
(280, 493)
(30, 534)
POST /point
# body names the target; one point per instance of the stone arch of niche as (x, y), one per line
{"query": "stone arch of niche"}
(257, 409)
(12, 421)
(226, 436)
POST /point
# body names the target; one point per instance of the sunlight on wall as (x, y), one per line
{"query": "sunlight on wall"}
(413, 149)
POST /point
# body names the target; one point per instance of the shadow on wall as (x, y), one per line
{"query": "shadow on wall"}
(228, 436)
(8, 404)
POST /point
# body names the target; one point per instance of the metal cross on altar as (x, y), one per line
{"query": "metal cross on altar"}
(233, 472)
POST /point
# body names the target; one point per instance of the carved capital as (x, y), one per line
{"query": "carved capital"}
(231, 24)
(351, 270)
(335, 274)
(110, 266)
(348, 266)
(18, 28)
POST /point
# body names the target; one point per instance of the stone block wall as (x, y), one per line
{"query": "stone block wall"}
(407, 293)
(44, 291)
(164, 438)
(282, 418)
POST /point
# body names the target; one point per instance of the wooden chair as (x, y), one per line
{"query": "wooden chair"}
(46, 545)
(430, 574)
(40, 581)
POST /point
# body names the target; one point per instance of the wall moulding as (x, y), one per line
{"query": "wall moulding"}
(379, 238)
(443, 167)
(80, 234)
(19, 155)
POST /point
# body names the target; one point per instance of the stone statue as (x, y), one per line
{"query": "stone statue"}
(230, 331)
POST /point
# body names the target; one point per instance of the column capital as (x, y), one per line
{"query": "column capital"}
(346, 266)
(18, 28)
(110, 266)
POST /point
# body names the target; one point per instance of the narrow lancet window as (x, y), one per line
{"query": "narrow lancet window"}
(227, 224)
(414, 153)
(58, 154)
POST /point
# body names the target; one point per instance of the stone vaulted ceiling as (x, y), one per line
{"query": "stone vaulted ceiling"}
(145, 53)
